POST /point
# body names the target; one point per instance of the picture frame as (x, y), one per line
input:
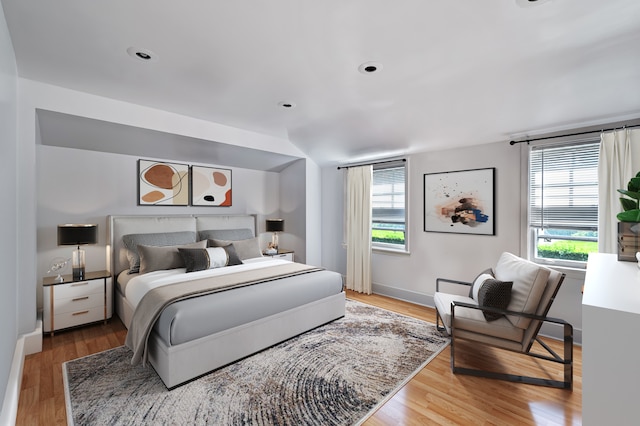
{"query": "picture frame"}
(460, 202)
(163, 183)
(211, 186)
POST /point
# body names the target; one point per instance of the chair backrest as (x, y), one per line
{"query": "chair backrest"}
(546, 300)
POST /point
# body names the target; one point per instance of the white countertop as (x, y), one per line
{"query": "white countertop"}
(612, 284)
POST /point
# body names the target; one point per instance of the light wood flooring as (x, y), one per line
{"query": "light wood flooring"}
(434, 396)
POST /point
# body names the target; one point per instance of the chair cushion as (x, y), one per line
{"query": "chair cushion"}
(473, 320)
(487, 271)
(529, 281)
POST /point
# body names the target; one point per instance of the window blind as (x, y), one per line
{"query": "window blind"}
(563, 186)
(388, 194)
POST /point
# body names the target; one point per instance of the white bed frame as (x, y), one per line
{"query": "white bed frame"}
(180, 363)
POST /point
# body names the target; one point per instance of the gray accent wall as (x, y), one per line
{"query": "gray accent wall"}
(83, 186)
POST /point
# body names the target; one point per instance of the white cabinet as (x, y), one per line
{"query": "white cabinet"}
(72, 303)
(610, 347)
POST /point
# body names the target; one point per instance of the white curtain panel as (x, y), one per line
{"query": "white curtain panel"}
(359, 228)
(619, 161)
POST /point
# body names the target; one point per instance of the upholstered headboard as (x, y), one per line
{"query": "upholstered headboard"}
(123, 225)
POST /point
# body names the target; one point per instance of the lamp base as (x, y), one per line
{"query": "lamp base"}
(78, 274)
(77, 265)
(274, 241)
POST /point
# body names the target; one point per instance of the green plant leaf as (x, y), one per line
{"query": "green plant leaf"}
(629, 216)
(634, 184)
(628, 204)
(630, 194)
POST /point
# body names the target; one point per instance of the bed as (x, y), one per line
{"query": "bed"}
(260, 302)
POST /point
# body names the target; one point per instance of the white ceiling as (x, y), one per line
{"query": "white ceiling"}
(453, 73)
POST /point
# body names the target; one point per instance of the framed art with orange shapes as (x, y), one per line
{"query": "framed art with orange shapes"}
(163, 184)
(210, 187)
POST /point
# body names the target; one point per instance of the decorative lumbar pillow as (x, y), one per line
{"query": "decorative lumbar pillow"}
(246, 249)
(202, 259)
(226, 234)
(154, 258)
(494, 294)
(162, 239)
(478, 280)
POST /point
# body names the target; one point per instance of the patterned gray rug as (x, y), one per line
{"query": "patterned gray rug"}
(334, 375)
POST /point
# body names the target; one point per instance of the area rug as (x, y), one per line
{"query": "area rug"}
(336, 374)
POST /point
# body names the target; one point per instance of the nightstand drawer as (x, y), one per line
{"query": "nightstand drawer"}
(79, 317)
(78, 303)
(285, 256)
(81, 288)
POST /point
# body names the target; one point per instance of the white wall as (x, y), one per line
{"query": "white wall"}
(8, 212)
(459, 256)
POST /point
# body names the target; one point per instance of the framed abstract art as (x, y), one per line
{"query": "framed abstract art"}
(460, 202)
(162, 184)
(210, 186)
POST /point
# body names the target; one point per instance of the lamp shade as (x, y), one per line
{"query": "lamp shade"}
(77, 234)
(275, 225)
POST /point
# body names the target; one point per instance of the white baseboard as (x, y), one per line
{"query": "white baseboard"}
(12, 393)
(405, 295)
(33, 340)
(27, 344)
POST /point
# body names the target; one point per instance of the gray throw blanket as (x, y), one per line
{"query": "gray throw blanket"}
(152, 304)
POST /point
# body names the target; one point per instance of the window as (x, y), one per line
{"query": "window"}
(563, 202)
(388, 204)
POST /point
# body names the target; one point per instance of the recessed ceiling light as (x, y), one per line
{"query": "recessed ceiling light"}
(370, 67)
(144, 55)
(529, 3)
(286, 104)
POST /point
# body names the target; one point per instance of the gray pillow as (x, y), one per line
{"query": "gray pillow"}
(132, 241)
(246, 249)
(226, 234)
(154, 258)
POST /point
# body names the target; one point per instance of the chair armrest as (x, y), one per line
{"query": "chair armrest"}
(447, 280)
(507, 312)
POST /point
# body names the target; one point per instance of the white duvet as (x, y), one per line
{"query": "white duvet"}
(139, 286)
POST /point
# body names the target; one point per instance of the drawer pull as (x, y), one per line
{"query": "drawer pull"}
(80, 313)
(77, 299)
(77, 284)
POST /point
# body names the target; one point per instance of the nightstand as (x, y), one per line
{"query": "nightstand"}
(76, 302)
(282, 254)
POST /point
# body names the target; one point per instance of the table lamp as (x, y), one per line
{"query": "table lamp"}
(77, 235)
(275, 226)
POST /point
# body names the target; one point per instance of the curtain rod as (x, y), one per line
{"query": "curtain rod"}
(573, 134)
(373, 163)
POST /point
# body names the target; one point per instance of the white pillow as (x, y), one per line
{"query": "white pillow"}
(477, 284)
(217, 257)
